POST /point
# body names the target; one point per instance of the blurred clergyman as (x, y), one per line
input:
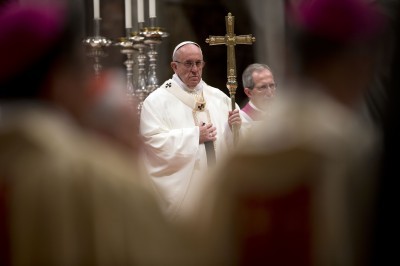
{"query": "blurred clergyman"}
(67, 196)
(302, 189)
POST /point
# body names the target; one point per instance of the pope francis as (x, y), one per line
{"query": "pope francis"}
(186, 125)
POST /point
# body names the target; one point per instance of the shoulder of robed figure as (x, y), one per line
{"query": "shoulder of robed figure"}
(159, 93)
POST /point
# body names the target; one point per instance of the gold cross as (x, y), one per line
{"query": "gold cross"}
(230, 40)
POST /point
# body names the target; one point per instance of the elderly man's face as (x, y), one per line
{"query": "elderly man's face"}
(188, 64)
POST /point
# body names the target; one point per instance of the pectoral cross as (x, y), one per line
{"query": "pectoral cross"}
(230, 40)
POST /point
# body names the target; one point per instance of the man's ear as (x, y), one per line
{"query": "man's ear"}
(248, 92)
(173, 66)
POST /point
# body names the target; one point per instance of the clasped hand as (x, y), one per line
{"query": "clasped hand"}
(207, 133)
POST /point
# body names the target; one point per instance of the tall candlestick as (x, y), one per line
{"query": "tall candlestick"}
(128, 14)
(140, 11)
(152, 8)
(96, 9)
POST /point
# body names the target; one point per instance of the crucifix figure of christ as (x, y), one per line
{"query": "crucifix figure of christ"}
(231, 40)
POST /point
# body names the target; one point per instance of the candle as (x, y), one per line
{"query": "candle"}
(96, 9)
(152, 8)
(140, 11)
(128, 14)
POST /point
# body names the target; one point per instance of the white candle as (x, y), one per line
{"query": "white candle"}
(96, 9)
(140, 11)
(128, 14)
(152, 8)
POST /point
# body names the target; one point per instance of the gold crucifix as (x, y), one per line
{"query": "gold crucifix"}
(230, 40)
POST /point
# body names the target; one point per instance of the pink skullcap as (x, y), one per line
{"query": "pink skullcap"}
(26, 33)
(339, 20)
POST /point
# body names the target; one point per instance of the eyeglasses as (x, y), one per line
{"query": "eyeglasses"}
(190, 64)
(271, 86)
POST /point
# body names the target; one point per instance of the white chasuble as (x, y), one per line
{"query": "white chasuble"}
(169, 124)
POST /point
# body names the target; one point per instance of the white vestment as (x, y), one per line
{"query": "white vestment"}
(173, 156)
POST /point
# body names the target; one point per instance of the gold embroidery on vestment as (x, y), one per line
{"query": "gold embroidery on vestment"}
(200, 107)
(200, 102)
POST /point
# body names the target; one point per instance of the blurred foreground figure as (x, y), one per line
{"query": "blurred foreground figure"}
(67, 196)
(110, 113)
(301, 191)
